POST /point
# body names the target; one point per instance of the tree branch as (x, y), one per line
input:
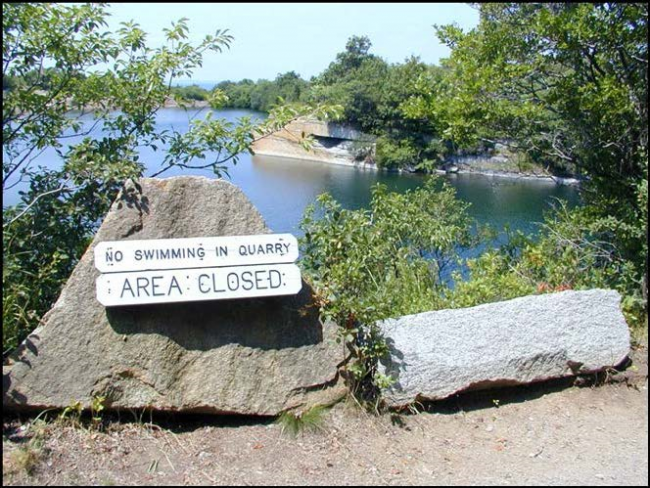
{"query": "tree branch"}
(33, 202)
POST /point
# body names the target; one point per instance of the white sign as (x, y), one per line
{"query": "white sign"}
(197, 252)
(186, 285)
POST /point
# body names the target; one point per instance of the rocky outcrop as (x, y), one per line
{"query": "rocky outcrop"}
(436, 354)
(320, 128)
(500, 162)
(248, 356)
(333, 143)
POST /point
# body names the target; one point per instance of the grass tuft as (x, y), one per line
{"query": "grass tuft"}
(296, 422)
(25, 459)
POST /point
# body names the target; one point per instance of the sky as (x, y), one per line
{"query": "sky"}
(281, 37)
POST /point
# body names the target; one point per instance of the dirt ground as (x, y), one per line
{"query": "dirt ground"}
(555, 433)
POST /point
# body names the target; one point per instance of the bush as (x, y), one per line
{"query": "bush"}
(391, 260)
(385, 261)
(574, 251)
(395, 154)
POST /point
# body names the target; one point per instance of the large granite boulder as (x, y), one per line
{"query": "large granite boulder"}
(436, 354)
(247, 356)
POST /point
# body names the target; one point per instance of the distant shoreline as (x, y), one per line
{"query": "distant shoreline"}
(557, 180)
(169, 103)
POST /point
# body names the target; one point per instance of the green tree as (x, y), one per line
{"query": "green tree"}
(238, 94)
(290, 86)
(191, 93)
(264, 94)
(356, 52)
(398, 87)
(354, 80)
(373, 94)
(567, 85)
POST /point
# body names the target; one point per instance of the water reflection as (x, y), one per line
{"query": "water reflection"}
(282, 188)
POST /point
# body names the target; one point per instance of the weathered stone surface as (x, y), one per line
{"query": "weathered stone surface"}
(333, 143)
(325, 129)
(529, 339)
(248, 356)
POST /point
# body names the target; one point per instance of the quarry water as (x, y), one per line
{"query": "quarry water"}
(281, 188)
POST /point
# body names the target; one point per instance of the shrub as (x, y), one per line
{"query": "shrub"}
(395, 154)
(392, 259)
(575, 250)
(387, 260)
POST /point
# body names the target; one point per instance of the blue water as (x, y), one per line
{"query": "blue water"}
(281, 188)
